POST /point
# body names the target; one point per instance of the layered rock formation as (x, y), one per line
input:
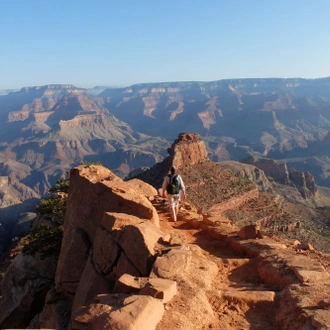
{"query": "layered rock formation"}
(187, 149)
(123, 265)
(278, 171)
(46, 130)
(110, 229)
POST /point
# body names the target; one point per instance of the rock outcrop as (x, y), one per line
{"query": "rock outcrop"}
(187, 149)
(95, 190)
(278, 171)
(111, 229)
(304, 181)
(208, 183)
(124, 266)
(24, 288)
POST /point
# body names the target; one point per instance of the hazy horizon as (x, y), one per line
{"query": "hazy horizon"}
(111, 43)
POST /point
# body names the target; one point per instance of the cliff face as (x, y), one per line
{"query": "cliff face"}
(122, 264)
(187, 149)
(208, 183)
(37, 99)
(249, 110)
(278, 171)
(276, 118)
(45, 131)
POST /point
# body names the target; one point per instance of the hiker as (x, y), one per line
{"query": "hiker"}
(173, 186)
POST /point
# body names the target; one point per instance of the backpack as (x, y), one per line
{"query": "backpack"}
(173, 186)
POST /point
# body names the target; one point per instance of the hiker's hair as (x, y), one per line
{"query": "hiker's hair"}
(172, 169)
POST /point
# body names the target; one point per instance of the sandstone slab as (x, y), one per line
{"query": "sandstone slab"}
(155, 287)
(308, 270)
(249, 232)
(130, 313)
(160, 288)
(175, 261)
(321, 319)
(138, 242)
(129, 284)
(143, 187)
(123, 266)
(105, 251)
(90, 285)
(215, 220)
(249, 297)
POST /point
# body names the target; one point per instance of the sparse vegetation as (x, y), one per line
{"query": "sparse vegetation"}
(44, 239)
(90, 163)
(62, 185)
(208, 184)
(55, 206)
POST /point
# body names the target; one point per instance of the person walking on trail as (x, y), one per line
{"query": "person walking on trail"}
(173, 186)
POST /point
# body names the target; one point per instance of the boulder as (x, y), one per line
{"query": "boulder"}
(160, 288)
(24, 223)
(155, 287)
(117, 312)
(138, 242)
(90, 285)
(249, 232)
(123, 266)
(94, 190)
(188, 149)
(143, 187)
(305, 246)
(25, 282)
(171, 263)
(105, 251)
(321, 319)
(136, 239)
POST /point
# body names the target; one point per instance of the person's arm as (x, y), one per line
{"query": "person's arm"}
(164, 186)
(183, 188)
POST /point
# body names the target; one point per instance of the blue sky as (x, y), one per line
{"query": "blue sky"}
(105, 42)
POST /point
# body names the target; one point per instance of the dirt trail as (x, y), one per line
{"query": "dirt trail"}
(237, 297)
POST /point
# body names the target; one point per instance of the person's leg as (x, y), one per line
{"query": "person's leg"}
(173, 214)
(171, 204)
(176, 205)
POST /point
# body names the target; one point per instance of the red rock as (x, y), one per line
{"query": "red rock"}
(90, 285)
(155, 287)
(305, 247)
(188, 149)
(248, 232)
(171, 263)
(143, 187)
(94, 190)
(115, 312)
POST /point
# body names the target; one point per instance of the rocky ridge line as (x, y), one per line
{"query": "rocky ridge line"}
(118, 240)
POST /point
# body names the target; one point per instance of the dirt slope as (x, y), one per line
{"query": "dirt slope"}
(236, 296)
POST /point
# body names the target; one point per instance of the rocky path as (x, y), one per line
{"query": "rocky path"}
(232, 296)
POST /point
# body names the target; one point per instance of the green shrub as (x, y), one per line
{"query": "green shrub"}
(43, 240)
(56, 205)
(53, 205)
(62, 185)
